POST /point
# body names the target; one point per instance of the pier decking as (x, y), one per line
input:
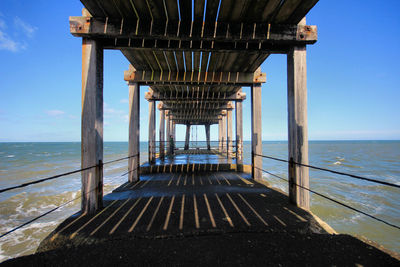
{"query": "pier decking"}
(219, 218)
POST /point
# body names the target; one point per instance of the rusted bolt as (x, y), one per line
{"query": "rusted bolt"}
(308, 28)
(79, 27)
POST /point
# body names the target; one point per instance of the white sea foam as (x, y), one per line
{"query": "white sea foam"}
(337, 163)
(10, 156)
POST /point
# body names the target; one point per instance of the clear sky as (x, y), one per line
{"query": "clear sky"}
(353, 76)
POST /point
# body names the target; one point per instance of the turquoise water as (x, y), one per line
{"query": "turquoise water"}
(23, 162)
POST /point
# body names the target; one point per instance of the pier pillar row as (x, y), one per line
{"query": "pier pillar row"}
(256, 132)
(207, 126)
(162, 130)
(92, 126)
(229, 143)
(239, 131)
(187, 137)
(223, 131)
(220, 133)
(134, 132)
(297, 125)
(152, 126)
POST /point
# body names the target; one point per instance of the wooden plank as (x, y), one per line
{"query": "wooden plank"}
(179, 61)
(156, 9)
(188, 60)
(92, 126)
(134, 132)
(172, 10)
(171, 60)
(211, 10)
(185, 10)
(298, 126)
(198, 10)
(301, 11)
(256, 132)
(269, 9)
(286, 10)
(127, 10)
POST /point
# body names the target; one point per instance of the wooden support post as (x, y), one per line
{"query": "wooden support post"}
(207, 126)
(239, 136)
(256, 132)
(171, 138)
(162, 133)
(167, 122)
(134, 131)
(223, 131)
(220, 134)
(174, 131)
(297, 125)
(187, 137)
(229, 133)
(92, 126)
(152, 132)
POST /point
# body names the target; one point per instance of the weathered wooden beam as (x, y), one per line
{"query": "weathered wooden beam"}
(256, 132)
(239, 136)
(224, 131)
(220, 134)
(92, 126)
(186, 97)
(162, 131)
(187, 137)
(194, 77)
(195, 46)
(229, 133)
(152, 132)
(167, 122)
(176, 30)
(298, 126)
(206, 106)
(207, 128)
(134, 132)
(196, 123)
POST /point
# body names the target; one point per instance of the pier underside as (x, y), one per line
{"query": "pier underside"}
(199, 218)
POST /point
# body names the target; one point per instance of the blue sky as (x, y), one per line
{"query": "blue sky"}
(353, 76)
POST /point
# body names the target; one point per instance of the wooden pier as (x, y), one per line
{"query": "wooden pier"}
(196, 207)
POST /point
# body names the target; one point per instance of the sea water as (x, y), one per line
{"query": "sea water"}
(24, 162)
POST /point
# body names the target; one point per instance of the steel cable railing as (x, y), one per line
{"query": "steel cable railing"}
(56, 208)
(333, 200)
(63, 174)
(331, 171)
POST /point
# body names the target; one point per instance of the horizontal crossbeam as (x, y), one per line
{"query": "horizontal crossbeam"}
(195, 77)
(259, 33)
(194, 97)
(195, 122)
